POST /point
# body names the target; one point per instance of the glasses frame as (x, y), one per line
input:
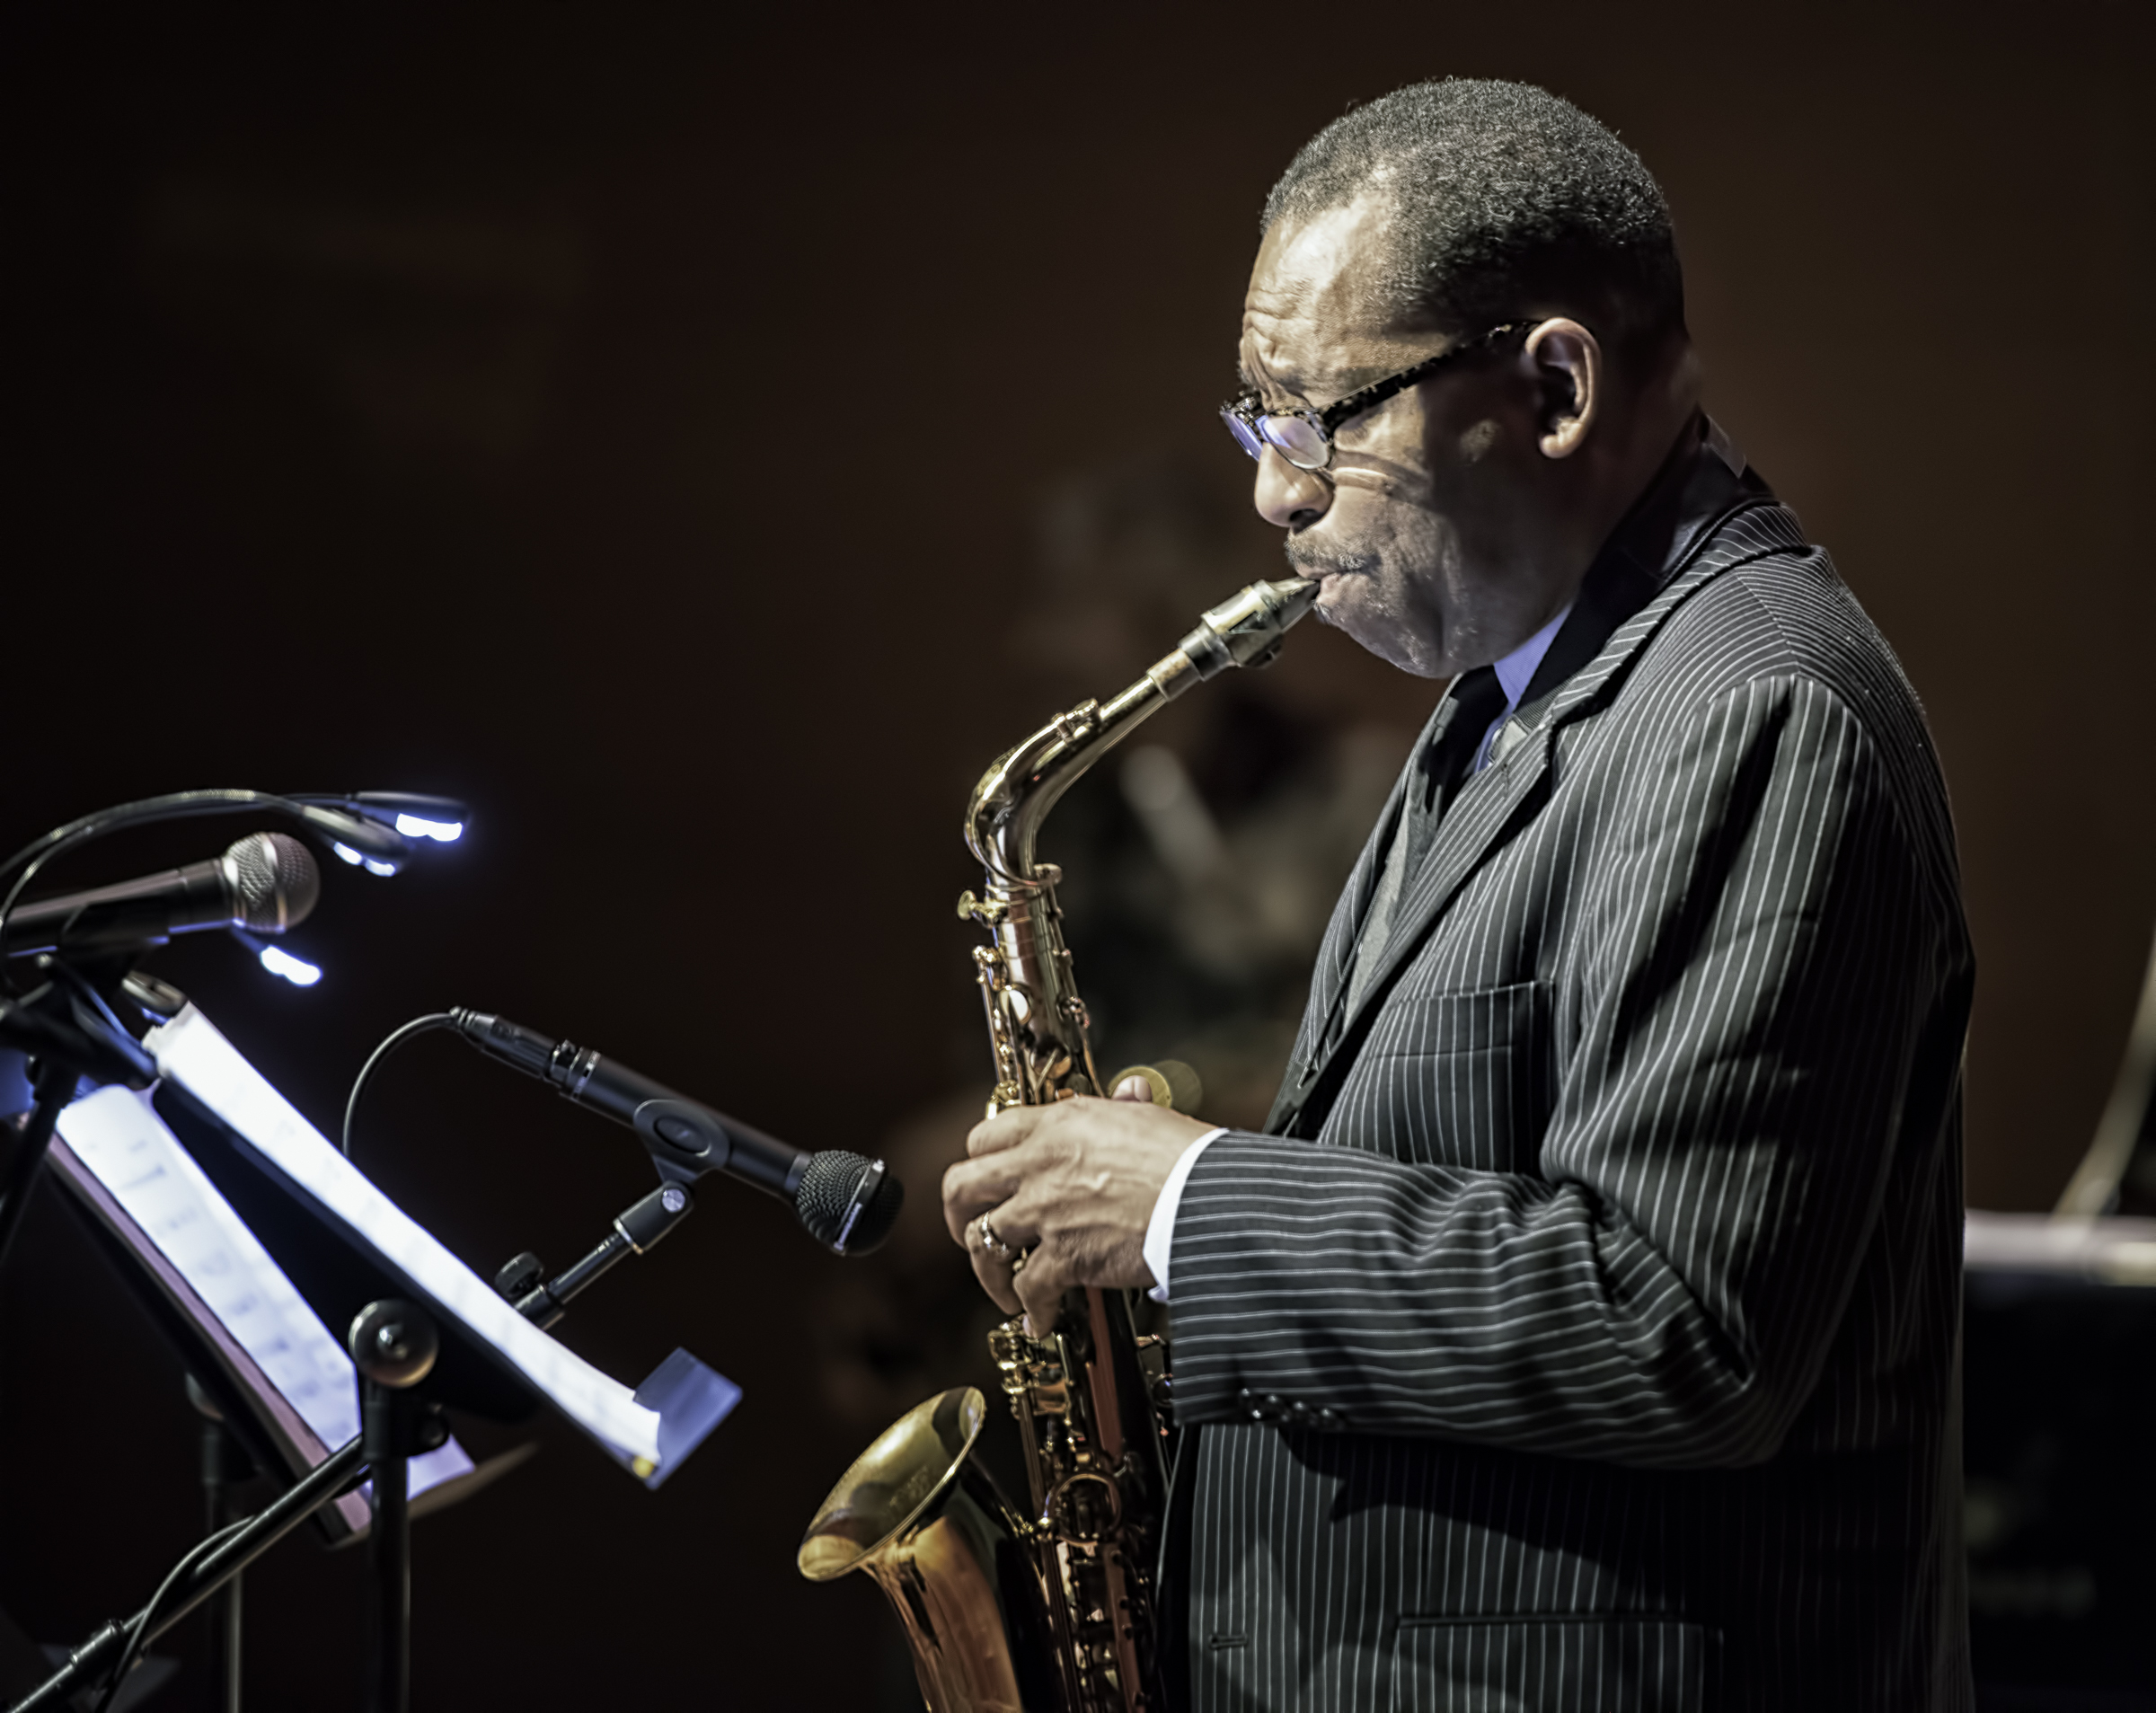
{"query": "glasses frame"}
(1247, 422)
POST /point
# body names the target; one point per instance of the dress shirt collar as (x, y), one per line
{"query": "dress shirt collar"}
(1516, 671)
(1703, 479)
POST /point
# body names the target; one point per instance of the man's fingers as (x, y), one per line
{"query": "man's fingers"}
(1015, 1228)
(1133, 1088)
(1040, 1286)
(992, 1272)
(1013, 1225)
(999, 1268)
(972, 1187)
(990, 1179)
(1005, 1130)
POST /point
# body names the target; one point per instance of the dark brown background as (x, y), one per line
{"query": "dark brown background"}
(640, 422)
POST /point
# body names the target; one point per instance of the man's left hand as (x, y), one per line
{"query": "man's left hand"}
(1072, 1185)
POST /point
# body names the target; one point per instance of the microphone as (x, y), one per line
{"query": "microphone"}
(265, 883)
(846, 1202)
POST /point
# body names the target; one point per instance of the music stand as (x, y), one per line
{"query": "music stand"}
(359, 1261)
(275, 1389)
(281, 1380)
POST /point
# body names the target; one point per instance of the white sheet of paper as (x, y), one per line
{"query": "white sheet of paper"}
(192, 1052)
(118, 1134)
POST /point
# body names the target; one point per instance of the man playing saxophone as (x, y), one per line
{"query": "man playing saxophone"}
(1581, 1329)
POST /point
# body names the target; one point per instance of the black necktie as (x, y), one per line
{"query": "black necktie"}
(1476, 700)
(1455, 735)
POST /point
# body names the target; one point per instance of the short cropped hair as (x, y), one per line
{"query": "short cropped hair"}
(1499, 196)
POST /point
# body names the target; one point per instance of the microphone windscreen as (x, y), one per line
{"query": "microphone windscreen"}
(276, 881)
(841, 1206)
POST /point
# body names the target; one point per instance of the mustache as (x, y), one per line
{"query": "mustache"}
(1319, 559)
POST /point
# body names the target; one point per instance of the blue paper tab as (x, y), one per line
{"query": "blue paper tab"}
(691, 1400)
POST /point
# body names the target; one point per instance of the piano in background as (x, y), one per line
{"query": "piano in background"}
(2059, 1380)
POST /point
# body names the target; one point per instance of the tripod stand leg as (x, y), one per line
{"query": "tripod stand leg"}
(389, 1570)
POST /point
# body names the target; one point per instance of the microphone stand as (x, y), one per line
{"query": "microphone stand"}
(96, 1658)
(224, 1464)
(68, 1029)
(55, 1088)
(393, 1345)
(396, 1423)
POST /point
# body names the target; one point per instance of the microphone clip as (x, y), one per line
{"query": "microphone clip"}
(637, 1231)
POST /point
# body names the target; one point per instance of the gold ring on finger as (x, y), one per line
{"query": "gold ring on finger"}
(995, 1245)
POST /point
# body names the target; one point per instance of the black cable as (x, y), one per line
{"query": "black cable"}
(60, 834)
(396, 1038)
(173, 807)
(147, 1615)
(144, 811)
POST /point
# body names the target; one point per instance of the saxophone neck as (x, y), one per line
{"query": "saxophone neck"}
(1019, 788)
(1022, 786)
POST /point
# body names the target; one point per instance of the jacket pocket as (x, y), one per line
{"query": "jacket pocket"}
(1550, 1665)
(1435, 1025)
(1457, 1078)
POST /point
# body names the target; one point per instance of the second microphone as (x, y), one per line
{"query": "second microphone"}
(848, 1203)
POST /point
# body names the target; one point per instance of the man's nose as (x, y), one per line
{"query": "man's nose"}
(1290, 498)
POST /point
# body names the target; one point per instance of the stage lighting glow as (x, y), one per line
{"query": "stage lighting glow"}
(413, 826)
(300, 973)
(373, 867)
(349, 854)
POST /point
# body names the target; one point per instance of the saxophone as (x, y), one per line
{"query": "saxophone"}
(1050, 1610)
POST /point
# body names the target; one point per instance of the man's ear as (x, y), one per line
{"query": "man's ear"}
(1568, 362)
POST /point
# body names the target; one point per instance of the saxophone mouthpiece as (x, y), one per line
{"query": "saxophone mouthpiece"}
(1246, 630)
(1300, 593)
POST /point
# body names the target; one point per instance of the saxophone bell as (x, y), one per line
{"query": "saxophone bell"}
(918, 1513)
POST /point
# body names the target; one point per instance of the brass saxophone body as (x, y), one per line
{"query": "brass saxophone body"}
(1050, 1610)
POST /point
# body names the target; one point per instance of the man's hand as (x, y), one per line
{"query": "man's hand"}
(1074, 1184)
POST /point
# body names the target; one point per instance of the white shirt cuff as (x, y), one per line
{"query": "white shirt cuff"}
(1160, 1230)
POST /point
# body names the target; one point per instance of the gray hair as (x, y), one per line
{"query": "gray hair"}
(1499, 196)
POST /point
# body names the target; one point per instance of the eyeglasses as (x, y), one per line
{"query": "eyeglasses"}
(1304, 437)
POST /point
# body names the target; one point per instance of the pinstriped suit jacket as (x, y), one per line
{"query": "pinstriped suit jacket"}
(1590, 1340)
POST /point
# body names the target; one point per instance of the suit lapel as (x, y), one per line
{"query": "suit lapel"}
(1492, 804)
(1475, 824)
(1336, 956)
(1739, 523)
(1335, 952)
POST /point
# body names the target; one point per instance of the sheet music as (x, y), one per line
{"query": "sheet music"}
(192, 1052)
(119, 1136)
